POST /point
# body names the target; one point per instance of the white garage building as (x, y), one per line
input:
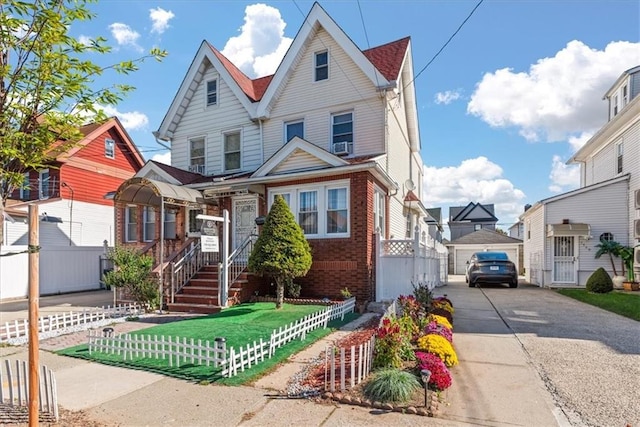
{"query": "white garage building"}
(461, 249)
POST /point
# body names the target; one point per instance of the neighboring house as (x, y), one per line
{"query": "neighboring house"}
(334, 131)
(561, 232)
(434, 221)
(517, 230)
(483, 240)
(70, 193)
(472, 217)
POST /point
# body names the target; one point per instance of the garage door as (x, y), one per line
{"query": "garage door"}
(463, 255)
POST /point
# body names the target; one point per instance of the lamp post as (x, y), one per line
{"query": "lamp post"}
(425, 374)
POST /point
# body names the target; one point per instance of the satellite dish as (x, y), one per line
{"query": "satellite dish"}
(409, 185)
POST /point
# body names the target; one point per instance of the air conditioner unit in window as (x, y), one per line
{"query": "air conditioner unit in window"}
(197, 169)
(341, 148)
(637, 198)
(636, 228)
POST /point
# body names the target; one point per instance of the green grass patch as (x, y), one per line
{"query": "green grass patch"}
(240, 325)
(622, 303)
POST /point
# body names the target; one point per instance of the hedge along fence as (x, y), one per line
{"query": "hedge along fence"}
(230, 361)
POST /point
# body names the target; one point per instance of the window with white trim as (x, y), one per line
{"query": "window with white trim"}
(196, 155)
(131, 224)
(43, 184)
(379, 211)
(619, 157)
(321, 66)
(170, 231)
(615, 105)
(293, 129)
(110, 148)
(25, 190)
(149, 219)
(342, 133)
(322, 211)
(625, 95)
(212, 92)
(232, 159)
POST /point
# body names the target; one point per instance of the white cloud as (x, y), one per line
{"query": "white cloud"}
(577, 141)
(473, 180)
(85, 40)
(160, 19)
(163, 158)
(259, 48)
(563, 177)
(447, 97)
(125, 35)
(559, 96)
(133, 120)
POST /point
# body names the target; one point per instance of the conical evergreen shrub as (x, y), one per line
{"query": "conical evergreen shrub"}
(599, 282)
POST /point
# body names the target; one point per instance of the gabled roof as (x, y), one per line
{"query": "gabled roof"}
(93, 130)
(473, 212)
(484, 237)
(382, 64)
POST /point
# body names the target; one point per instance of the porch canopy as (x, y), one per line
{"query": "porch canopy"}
(144, 191)
(571, 229)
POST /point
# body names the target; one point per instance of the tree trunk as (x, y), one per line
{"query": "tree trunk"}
(279, 293)
(613, 265)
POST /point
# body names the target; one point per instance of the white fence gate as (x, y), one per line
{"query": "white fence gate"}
(62, 269)
(402, 263)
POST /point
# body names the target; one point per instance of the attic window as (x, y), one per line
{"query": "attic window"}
(321, 66)
(212, 92)
(608, 237)
(110, 148)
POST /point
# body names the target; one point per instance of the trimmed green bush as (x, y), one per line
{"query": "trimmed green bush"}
(391, 385)
(599, 282)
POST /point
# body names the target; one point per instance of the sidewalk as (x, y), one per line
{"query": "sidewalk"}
(494, 385)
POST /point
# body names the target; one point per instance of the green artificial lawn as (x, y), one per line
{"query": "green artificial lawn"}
(240, 325)
(622, 303)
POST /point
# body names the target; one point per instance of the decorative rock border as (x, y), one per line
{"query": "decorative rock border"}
(432, 411)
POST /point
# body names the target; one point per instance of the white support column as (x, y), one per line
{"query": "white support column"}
(378, 258)
(224, 285)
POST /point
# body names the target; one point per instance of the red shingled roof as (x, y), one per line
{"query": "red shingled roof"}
(411, 197)
(386, 58)
(185, 177)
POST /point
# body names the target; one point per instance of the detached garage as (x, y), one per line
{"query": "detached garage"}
(461, 249)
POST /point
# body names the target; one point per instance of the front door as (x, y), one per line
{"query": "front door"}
(564, 259)
(245, 211)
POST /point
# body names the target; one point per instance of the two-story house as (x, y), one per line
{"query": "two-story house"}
(71, 191)
(472, 217)
(561, 232)
(334, 131)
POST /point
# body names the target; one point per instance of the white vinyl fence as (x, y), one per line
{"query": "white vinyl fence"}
(14, 387)
(178, 350)
(351, 366)
(62, 269)
(17, 332)
(402, 263)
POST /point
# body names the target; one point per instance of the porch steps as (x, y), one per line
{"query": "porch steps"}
(200, 294)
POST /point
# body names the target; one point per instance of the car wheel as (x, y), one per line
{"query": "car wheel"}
(513, 284)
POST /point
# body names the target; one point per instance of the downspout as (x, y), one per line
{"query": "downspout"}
(261, 142)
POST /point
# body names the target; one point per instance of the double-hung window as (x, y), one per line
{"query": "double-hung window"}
(379, 210)
(615, 105)
(322, 210)
(196, 154)
(625, 96)
(170, 231)
(43, 184)
(293, 129)
(110, 148)
(194, 224)
(619, 157)
(131, 224)
(149, 230)
(321, 66)
(212, 92)
(342, 133)
(232, 151)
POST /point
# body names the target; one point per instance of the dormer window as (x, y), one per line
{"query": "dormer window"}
(615, 105)
(110, 148)
(625, 96)
(212, 92)
(321, 66)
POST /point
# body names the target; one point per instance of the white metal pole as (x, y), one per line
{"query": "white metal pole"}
(225, 258)
(161, 249)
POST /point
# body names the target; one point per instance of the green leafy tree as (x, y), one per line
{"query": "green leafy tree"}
(47, 85)
(611, 248)
(133, 272)
(281, 251)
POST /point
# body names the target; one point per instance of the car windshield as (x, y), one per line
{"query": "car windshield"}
(485, 256)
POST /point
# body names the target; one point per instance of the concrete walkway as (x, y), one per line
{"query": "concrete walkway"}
(494, 385)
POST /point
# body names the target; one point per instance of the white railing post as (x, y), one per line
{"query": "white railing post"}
(223, 288)
(378, 257)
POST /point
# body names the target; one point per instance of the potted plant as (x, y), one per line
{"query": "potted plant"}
(626, 254)
(612, 248)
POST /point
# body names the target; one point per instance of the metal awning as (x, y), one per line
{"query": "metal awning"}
(573, 229)
(144, 191)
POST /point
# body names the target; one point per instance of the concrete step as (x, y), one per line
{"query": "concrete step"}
(194, 308)
(196, 299)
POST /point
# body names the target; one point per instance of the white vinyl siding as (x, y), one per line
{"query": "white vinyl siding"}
(349, 90)
(534, 238)
(212, 124)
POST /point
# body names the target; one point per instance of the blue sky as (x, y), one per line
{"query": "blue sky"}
(501, 109)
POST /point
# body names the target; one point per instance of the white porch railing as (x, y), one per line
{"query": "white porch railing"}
(190, 261)
(401, 263)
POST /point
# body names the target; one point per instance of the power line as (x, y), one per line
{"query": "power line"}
(446, 43)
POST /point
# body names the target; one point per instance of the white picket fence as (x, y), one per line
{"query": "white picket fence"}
(175, 350)
(231, 361)
(18, 330)
(14, 387)
(358, 368)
